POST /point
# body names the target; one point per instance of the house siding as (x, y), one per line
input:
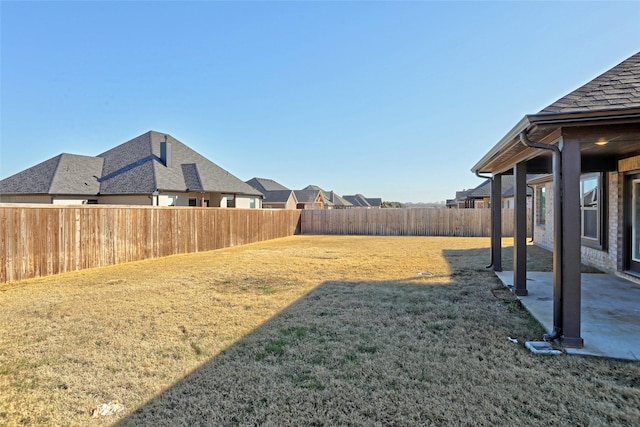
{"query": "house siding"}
(244, 202)
(29, 198)
(71, 200)
(290, 204)
(133, 199)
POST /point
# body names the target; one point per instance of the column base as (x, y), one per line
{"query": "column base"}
(573, 342)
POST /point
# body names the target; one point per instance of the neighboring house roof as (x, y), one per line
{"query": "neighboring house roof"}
(336, 199)
(307, 196)
(264, 184)
(358, 200)
(375, 202)
(617, 88)
(484, 189)
(279, 196)
(62, 174)
(461, 196)
(192, 177)
(330, 198)
(273, 191)
(134, 167)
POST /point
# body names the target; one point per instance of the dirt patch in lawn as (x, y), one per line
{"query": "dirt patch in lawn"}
(307, 330)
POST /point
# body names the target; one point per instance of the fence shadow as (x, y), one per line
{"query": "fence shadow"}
(387, 352)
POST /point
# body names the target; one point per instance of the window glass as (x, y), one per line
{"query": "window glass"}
(590, 206)
(193, 202)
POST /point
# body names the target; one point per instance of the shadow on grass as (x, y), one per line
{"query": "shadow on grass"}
(412, 351)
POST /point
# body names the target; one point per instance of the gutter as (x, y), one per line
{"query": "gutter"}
(557, 231)
(581, 117)
(506, 140)
(555, 120)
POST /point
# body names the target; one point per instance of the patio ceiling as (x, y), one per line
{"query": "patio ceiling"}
(619, 128)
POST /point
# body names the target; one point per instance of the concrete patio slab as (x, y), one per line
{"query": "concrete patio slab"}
(610, 312)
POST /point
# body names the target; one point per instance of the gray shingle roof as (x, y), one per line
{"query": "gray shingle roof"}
(192, 177)
(134, 167)
(375, 202)
(617, 88)
(330, 197)
(277, 196)
(484, 190)
(358, 200)
(273, 191)
(306, 196)
(264, 184)
(62, 174)
(336, 199)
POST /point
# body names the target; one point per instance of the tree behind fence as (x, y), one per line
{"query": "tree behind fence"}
(406, 222)
(42, 240)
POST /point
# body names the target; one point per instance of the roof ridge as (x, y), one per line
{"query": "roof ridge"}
(55, 172)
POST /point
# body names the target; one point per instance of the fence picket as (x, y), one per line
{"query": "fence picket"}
(402, 222)
(40, 240)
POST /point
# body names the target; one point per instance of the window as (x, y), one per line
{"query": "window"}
(231, 201)
(541, 206)
(193, 201)
(591, 209)
(252, 203)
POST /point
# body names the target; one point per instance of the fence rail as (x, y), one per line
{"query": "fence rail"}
(407, 222)
(41, 240)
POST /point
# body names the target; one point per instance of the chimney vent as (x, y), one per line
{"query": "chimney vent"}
(166, 152)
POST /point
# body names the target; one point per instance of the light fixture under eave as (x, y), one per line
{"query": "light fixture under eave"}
(601, 142)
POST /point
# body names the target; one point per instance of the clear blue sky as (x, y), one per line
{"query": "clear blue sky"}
(389, 99)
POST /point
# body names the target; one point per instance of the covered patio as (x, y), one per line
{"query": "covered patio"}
(588, 142)
(610, 312)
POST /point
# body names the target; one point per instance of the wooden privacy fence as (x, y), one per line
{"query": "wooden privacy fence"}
(42, 240)
(407, 222)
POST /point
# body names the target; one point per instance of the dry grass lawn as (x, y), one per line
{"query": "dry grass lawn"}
(307, 330)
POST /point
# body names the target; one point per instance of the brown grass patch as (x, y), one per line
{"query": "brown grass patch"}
(305, 330)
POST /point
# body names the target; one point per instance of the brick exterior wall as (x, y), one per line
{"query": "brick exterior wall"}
(543, 234)
(609, 259)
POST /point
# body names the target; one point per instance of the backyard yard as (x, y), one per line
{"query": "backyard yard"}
(304, 330)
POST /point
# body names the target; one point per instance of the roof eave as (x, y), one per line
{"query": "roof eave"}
(505, 142)
(547, 121)
(584, 117)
